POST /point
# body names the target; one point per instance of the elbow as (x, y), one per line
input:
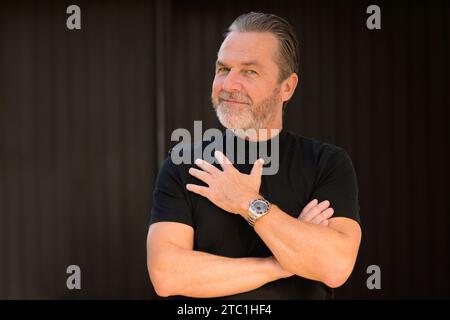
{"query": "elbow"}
(161, 281)
(162, 289)
(335, 281)
(338, 275)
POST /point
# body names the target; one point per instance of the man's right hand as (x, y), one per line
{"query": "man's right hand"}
(313, 212)
(317, 213)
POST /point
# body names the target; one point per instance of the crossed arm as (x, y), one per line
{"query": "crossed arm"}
(206, 275)
(176, 269)
(328, 246)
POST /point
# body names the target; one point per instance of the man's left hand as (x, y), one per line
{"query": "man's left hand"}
(228, 188)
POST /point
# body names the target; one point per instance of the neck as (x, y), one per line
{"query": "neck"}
(255, 135)
(270, 130)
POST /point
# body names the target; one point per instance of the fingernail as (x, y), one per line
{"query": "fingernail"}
(261, 160)
(198, 161)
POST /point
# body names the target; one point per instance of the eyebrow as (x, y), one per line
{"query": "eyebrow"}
(246, 63)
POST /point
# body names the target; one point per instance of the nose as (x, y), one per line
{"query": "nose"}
(232, 82)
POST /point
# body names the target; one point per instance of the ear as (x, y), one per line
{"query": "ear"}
(288, 87)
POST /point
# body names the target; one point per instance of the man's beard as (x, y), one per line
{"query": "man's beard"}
(246, 116)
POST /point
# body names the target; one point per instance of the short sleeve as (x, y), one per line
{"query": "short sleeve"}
(170, 199)
(336, 181)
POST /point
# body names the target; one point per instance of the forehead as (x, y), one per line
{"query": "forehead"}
(244, 46)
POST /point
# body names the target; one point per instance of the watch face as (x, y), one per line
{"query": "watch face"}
(260, 206)
(257, 209)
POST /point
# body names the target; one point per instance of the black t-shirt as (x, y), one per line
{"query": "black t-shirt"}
(308, 169)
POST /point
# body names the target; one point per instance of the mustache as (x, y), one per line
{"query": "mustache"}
(235, 96)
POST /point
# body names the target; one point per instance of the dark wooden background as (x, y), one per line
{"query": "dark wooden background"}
(86, 117)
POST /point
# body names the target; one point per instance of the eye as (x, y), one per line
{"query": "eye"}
(222, 70)
(251, 72)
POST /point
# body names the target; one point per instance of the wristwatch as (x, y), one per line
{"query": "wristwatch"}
(257, 209)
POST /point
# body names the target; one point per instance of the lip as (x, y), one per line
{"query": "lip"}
(233, 101)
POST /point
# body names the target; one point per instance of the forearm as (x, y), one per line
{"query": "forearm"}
(308, 250)
(198, 274)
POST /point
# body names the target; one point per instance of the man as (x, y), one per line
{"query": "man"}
(224, 229)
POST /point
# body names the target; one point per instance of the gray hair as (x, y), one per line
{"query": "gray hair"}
(288, 56)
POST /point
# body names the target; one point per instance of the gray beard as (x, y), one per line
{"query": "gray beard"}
(248, 116)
